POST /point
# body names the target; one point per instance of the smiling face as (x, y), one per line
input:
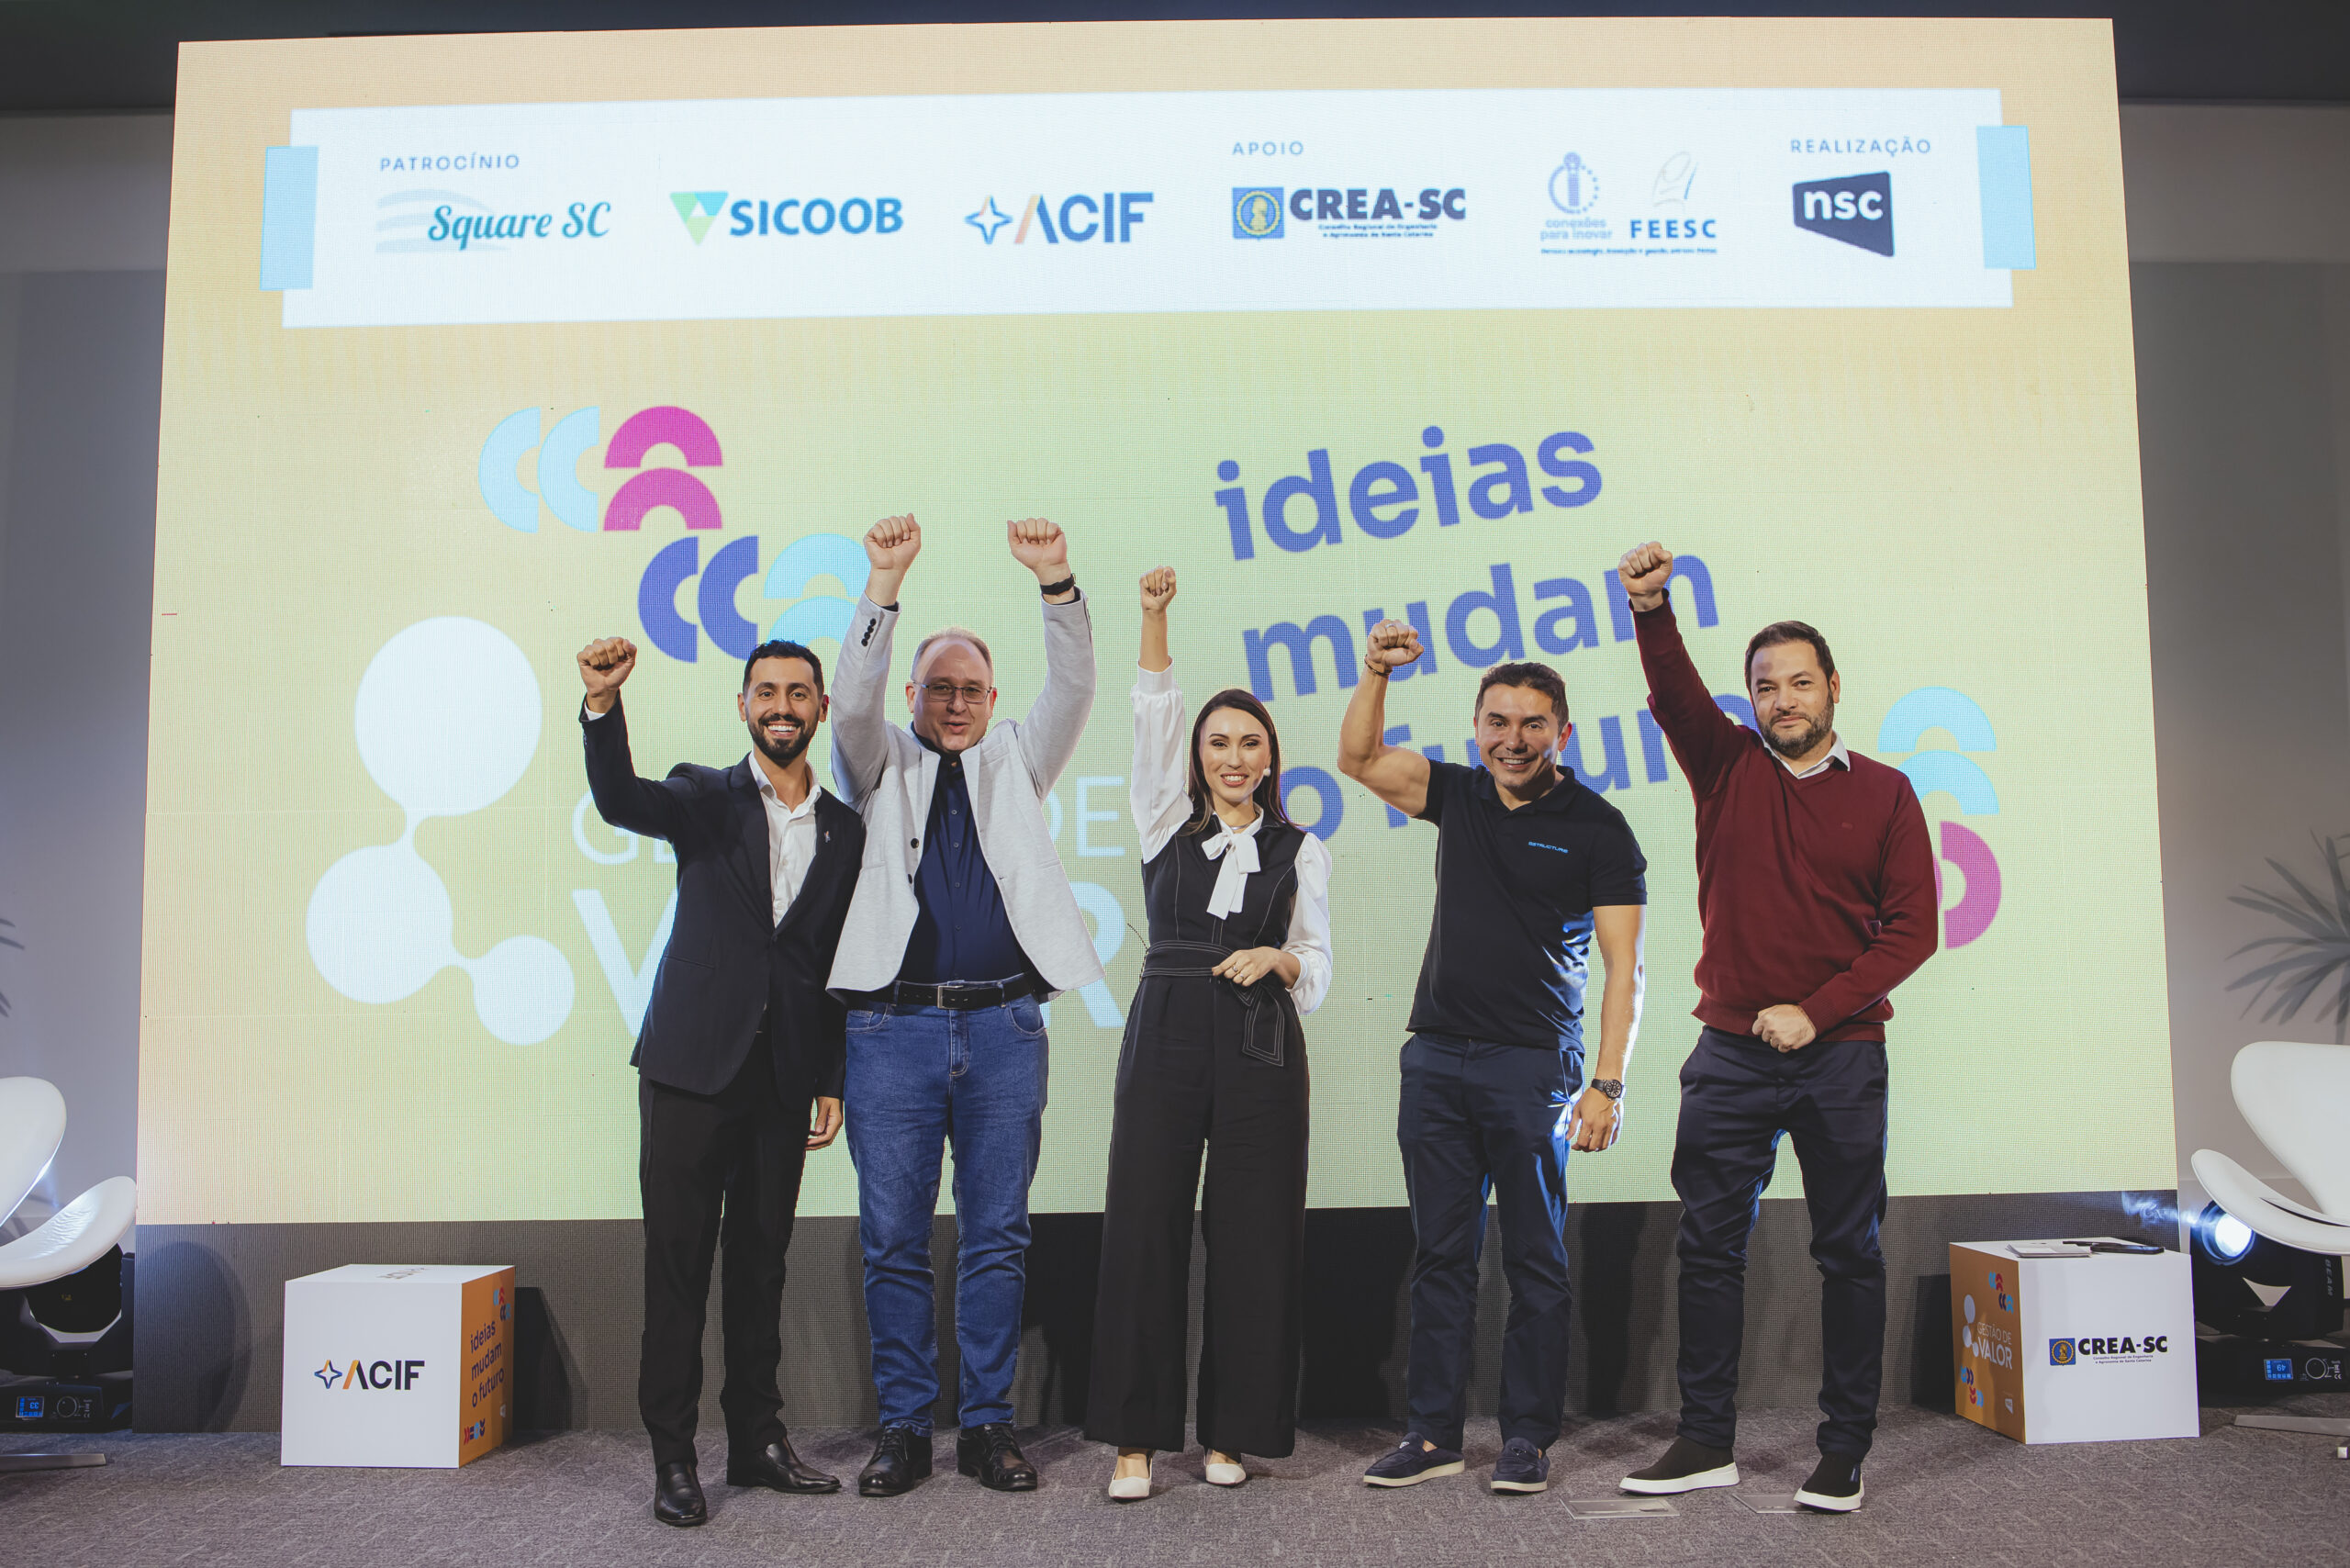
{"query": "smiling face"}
(781, 707)
(1235, 752)
(1795, 703)
(1517, 733)
(952, 695)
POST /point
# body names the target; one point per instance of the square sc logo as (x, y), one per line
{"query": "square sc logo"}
(1854, 209)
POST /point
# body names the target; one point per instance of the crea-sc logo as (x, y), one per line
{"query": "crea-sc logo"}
(788, 216)
(398, 1376)
(801, 565)
(2071, 1352)
(1109, 218)
(1854, 209)
(1262, 212)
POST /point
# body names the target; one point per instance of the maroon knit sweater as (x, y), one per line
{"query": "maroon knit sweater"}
(1820, 891)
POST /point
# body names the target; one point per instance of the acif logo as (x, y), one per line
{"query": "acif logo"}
(397, 1375)
(1111, 218)
(327, 1375)
(699, 209)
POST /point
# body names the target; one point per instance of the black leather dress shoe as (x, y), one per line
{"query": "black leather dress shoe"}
(901, 1461)
(989, 1453)
(677, 1496)
(776, 1468)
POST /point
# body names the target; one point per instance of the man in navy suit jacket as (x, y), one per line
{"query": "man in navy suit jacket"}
(740, 1056)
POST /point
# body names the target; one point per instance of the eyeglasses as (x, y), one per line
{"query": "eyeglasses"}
(945, 692)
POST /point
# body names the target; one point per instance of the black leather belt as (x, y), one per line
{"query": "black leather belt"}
(955, 996)
(1264, 1032)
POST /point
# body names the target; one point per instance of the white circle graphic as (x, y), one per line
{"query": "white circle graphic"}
(521, 990)
(447, 716)
(1970, 1309)
(379, 924)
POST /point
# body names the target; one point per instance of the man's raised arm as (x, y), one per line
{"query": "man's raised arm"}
(1395, 774)
(1704, 738)
(861, 679)
(1057, 719)
(655, 810)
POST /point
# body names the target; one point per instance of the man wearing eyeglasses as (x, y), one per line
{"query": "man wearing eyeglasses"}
(962, 925)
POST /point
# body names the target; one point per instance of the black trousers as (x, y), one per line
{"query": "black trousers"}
(1183, 1083)
(1476, 1119)
(712, 1168)
(1738, 1096)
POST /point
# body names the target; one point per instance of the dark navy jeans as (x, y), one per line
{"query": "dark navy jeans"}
(1738, 1096)
(919, 1079)
(1477, 1120)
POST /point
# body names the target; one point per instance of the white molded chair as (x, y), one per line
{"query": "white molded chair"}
(2296, 1099)
(32, 1125)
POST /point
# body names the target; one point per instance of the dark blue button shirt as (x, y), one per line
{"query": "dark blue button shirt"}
(962, 932)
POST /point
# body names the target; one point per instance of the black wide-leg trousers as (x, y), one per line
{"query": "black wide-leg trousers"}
(717, 1169)
(1184, 1082)
(1738, 1096)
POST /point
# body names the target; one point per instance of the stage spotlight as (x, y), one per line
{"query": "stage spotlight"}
(2223, 1238)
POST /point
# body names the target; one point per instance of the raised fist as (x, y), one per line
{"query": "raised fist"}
(604, 663)
(892, 543)
(1644, 571)
(1040, 546)
(1157, 589)
(1392, 644)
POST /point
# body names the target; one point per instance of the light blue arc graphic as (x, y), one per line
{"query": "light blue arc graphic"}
(1936, 708)
(817, 555)
(500, 490)
(572, 502)
(289, 216)
(1956, 776)
(2003, 171)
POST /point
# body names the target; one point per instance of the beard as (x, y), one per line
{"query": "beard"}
(783, 754)
(1809, 737)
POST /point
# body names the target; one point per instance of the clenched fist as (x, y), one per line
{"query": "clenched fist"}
(1040, 546)
(1644, 571)
(890, 546)
(1391, 645)
(604, 663)
(1157, 589)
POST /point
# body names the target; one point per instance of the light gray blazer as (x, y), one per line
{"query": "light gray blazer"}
(888, 775)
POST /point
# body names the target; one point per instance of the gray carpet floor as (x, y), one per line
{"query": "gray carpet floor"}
(1940, 1491)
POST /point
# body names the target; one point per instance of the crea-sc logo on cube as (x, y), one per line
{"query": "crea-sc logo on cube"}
(396, 1376)
(1855, 208)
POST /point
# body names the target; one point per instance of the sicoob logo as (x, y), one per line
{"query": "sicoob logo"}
(1855, 208)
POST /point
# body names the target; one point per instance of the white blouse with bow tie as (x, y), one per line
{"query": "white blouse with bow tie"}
(1159, 794)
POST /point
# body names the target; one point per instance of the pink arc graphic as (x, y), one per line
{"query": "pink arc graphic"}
(1973, 914)
(663, 425)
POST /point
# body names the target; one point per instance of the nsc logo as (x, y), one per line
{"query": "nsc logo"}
(1854, 209)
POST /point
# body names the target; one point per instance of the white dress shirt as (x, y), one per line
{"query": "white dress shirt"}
(1159, 794)
(1837, 757)
(791, 837)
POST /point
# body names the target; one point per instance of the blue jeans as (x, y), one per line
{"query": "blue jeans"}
(1476, 1119)
(918, 1079)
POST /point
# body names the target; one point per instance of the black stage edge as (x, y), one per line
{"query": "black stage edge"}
(211, 1303)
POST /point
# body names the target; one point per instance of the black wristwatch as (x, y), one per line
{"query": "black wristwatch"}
(1611, 1086)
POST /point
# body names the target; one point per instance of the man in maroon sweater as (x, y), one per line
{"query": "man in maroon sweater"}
(1817, 895)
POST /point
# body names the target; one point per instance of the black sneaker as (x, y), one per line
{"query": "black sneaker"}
(1834, 1487)
(1685, 1467)
(1410, 1462)
(1522, 1467)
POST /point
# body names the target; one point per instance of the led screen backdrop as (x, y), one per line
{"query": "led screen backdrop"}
(479, 348)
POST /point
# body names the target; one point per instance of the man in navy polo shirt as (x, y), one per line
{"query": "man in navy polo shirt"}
(1530, 865)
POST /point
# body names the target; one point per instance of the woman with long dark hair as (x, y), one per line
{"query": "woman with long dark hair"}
(1239, 905)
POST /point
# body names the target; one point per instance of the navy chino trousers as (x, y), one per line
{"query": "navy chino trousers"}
(1477, 1119)
(1738, 1096)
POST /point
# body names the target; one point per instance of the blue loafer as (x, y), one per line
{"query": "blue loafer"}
(1522, 1468)
(1410, 1462)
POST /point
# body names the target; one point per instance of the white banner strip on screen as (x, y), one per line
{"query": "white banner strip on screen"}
(1120, 203)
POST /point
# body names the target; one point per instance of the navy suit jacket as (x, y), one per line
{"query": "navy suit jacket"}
(729, 965)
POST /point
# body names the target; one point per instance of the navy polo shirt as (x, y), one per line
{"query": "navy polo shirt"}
(961, 932)
(1509, 946)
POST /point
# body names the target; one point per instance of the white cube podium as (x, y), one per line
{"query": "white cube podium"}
(2078, 1350)
(397, 1364)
